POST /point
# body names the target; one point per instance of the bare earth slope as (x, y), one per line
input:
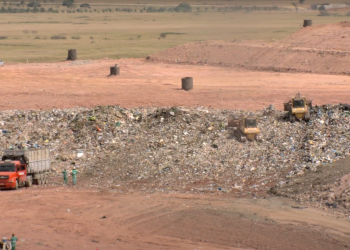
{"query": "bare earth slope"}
(320, 49)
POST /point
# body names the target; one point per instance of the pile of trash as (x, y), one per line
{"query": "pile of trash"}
(179, 149)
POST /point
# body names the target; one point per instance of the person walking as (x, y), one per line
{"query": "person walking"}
(65, 176)
(74, 174)
(13, 242)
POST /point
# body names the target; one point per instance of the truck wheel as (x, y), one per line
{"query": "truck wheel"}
(236, 135)
(29, 182)
(307, 115)
(292, 118)
(16, 187)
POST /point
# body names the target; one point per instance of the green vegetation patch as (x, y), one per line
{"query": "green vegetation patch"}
(58, 37)
(165, 34)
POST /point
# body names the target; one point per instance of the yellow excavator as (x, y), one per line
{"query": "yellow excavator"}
(245, 128)
(298, 108)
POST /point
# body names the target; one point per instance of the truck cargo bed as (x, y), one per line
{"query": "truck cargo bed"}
(38, 159)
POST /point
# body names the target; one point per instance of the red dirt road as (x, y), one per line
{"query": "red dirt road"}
(86, 83)
(74, 218)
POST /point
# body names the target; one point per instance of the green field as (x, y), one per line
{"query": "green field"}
(207, 2)
(27, 36)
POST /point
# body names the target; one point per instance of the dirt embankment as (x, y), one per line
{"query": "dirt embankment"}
(329, 185)
(319, 49)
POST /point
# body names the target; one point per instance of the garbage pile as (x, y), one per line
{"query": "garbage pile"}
(179, 149)
(338, 193)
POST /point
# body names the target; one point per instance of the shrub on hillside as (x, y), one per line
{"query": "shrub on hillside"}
(34, 4)
(68, 3)
(58, 37)
(324, 13)
(321, 8)
(183, 7)
(84, 5)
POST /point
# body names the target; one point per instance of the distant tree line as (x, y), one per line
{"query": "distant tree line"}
(182, 7)
(27, 10)
(246, 8)
(41, 10)
(35, 7)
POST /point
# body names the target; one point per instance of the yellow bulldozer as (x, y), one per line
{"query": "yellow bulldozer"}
(298, 108)
(244, 128)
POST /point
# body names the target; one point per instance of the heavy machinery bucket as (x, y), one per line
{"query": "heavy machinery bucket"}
(300, 116)
(251, 136)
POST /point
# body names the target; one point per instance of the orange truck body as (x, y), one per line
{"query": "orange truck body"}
(8, 179)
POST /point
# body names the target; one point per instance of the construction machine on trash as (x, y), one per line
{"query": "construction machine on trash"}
(298, 108)
(244, 128)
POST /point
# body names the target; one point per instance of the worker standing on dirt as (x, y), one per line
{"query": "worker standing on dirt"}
(65, 176)
(13, 242)
(74, 174)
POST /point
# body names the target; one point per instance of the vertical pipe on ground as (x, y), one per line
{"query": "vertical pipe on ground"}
(187, 83)
(72, 55)
(307, 22)
(115, 70)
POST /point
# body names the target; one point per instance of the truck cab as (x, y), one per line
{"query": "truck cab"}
(13, 174)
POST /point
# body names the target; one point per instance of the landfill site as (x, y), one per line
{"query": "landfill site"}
(165, 168)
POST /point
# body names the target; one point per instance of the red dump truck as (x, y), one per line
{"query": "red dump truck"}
(20, 168)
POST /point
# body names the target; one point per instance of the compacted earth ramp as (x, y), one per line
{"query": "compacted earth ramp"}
(321, 49)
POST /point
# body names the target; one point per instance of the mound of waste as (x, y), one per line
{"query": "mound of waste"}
(179, 149)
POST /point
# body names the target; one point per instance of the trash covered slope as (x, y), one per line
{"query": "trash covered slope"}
(179, 149)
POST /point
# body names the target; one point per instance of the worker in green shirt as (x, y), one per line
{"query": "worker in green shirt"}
(13, 242)
(74, 174)
(65, 176)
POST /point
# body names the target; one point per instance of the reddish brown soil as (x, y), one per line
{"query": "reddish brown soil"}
(321, 49)
(65, 84)
(70, 218)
